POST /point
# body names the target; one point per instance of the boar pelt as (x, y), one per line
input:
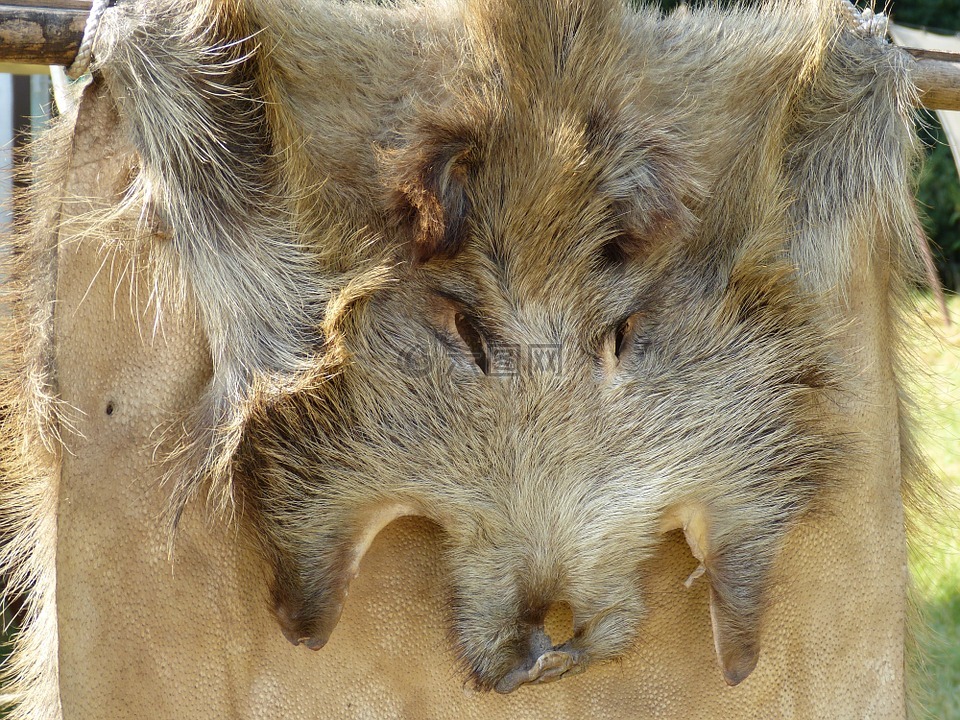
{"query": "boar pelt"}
(527, 269)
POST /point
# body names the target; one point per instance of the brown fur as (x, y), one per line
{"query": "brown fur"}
(666, 200)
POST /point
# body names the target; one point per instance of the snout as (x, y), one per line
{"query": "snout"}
(544, 663)
(532, 648)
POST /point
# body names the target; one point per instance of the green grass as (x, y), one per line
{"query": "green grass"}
(6, 629)
(935, 565)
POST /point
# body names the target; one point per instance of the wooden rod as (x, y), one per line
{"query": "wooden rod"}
(50, 35)
(933, 54)
(937, 77)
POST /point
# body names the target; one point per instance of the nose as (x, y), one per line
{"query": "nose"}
(550, 663)
(546, 660)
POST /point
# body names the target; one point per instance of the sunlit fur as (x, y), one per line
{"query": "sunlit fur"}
(545, 171)
(30, 433)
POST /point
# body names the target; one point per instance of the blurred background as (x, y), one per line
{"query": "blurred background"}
(25, 106)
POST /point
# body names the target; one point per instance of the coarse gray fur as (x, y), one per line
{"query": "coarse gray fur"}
(369, 205)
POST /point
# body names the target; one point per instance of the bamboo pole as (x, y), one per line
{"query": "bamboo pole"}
(50, 34)
(47, 34)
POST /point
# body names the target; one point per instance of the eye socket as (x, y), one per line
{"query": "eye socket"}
(472, 339)
(620, 337)
(620, 342)
(625, 337)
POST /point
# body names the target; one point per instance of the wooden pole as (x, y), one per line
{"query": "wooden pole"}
(41, 35)
(50, 34)
(937, 76)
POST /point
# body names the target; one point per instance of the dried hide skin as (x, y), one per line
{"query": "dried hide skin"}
(575, 285)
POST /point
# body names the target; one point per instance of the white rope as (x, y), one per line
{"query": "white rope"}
(867, 21)
(82, 62)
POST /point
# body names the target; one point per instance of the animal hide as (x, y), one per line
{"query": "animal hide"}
(573, 286)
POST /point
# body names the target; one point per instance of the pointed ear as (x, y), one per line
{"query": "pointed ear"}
(652, 180)
(737, 570)
(428, 193)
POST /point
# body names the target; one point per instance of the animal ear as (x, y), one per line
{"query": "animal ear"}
(429, 196)
(656, 212)
(653, 183)
(737, 570)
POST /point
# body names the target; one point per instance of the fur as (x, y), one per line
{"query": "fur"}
(369, 238)
(31, 424)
